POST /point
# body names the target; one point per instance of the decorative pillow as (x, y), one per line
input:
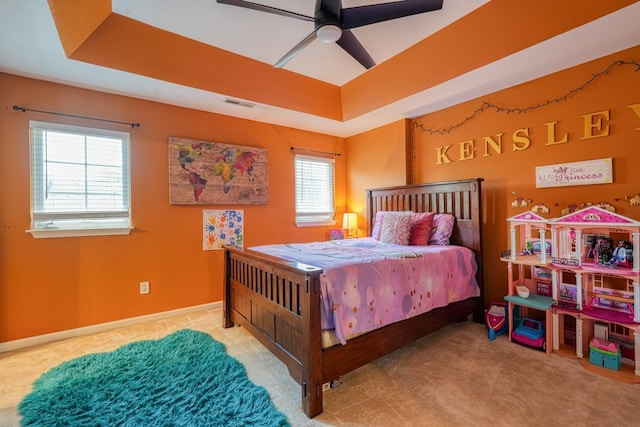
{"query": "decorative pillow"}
(375, 232)
(442, 228)
(421, 224)
(396, 227)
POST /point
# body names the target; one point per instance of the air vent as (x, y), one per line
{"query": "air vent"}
(239, 103)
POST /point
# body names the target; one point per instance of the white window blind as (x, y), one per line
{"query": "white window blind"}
(79, 180)
(314, 189)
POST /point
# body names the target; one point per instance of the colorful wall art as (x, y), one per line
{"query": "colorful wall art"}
(222, 227)
(202, 172)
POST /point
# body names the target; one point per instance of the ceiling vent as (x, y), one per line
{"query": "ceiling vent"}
(239, 103)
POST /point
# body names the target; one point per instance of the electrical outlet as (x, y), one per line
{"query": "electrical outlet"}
(144, 288)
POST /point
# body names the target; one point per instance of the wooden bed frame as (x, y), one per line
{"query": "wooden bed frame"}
(278, 301)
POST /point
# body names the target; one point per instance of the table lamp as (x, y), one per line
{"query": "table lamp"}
(350, 223)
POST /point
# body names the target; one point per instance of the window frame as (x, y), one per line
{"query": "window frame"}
(89, 222)
(317, 218)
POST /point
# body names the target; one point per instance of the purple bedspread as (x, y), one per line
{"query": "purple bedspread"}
(367, 284)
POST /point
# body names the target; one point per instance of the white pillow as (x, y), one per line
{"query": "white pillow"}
(396, 227)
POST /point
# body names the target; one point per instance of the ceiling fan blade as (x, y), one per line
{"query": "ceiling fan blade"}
(268, 9)
(296, 50)
(353, 47)
(364, 15)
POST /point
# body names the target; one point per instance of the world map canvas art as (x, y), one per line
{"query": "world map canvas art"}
(202, 172)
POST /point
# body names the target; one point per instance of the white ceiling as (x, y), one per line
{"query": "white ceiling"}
(267, 37)
(29, 46)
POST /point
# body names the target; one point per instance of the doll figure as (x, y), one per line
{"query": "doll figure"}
(620, 255)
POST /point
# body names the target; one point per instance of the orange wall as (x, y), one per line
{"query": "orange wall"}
(49, 285)
(373, 154)
(514, 171)
(375, 159)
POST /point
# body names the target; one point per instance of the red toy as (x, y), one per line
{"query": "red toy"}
(496, 319)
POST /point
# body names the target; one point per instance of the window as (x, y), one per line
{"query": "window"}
(314, 190)
(79, 181)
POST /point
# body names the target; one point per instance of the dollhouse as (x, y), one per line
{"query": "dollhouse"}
(586, 283)
(530, 254)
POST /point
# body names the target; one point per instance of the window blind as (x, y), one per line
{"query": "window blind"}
(315, 188)
(79, 177)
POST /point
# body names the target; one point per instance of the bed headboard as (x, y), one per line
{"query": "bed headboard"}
(461, 198)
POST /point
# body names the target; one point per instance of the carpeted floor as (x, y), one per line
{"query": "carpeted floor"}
(455, 377)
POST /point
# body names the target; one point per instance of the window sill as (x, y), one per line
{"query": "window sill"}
(79, 232)
(315, 223)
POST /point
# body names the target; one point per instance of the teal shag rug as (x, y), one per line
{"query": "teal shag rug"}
(184, 379)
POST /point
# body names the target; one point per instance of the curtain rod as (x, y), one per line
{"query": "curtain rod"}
(313, 151)
(24, 110)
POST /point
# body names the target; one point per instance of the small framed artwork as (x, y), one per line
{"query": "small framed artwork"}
(540, 273)
(569, 296)
(544, 288)
(587, 172)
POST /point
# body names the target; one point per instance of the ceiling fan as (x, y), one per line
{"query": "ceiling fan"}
(333, 23)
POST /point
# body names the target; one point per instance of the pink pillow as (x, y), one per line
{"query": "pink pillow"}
(441, 230)
(396, 227)
(421, 228)
(375, 233)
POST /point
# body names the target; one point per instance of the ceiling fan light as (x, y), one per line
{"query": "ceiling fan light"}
(329, 33)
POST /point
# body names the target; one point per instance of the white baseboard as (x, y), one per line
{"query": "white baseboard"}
(101, 327)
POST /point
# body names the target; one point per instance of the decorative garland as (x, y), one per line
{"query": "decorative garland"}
(520, 110)
(520, 202)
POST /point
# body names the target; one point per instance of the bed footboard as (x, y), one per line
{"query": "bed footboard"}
(279, 303)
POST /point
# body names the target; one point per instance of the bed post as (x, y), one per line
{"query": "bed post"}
(226, 292)
(476, 214)
(312, 348)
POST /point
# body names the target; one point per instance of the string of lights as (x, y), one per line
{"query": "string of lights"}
(484, 106)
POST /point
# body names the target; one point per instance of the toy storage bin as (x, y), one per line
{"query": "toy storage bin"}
(496, 319)
(605, 353)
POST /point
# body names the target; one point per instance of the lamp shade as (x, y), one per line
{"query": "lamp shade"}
(350, 221)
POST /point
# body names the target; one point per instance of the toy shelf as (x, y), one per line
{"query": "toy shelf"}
(582, 271)
(527, 260)
(538, 302)
(535, 302)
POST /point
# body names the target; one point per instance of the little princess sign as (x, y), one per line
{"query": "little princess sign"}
(577, 173)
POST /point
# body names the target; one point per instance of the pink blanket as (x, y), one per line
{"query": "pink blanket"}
(367, 284)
